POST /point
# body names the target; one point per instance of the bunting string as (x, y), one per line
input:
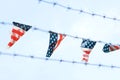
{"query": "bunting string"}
(79, 10)
(47, 31)
(58, 60)
(55, 39)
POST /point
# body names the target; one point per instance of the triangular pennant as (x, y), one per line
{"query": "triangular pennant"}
(54, 42)
(87, 45)
(17, 31)
(110, 47)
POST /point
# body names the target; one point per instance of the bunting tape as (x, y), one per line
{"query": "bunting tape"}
(47, 31)
(79, 10)
(58, 60)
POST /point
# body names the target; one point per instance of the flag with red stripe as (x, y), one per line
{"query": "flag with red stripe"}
(54, 42)
(18, 31)
(110, 47)
(87, 46)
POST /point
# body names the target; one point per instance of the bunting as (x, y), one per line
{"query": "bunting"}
(17, 32)
(54, 42)
(87, 46)
(110, 47)
(55, 39)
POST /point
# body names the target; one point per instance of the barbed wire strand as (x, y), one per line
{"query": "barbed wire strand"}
(58, 60)
(78, 10)
(47, 31)
(5, 23)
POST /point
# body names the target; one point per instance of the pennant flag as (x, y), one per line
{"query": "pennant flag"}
(18, 31)
(54, 42)
(87, 45)
(109, 47)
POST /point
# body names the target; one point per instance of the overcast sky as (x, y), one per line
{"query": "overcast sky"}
(58, 19)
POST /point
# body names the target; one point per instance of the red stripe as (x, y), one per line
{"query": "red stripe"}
(13, 37)
(84, 59)
(59, 41)
(114, 47)
(86, 55)
(86, 51)
(18, 32)
(117, 47)
(11, 43)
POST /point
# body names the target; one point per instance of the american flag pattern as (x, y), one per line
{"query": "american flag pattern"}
(54, 42)
(87, 45)
(109, 47)
(18, 31)
(22, 26)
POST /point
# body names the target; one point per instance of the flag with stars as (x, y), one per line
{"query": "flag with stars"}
(54, 42)
(17, 31)
(87, 45)
(110, 47)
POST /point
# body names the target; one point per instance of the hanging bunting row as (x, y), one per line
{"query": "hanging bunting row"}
(55, 39)
(43, 30)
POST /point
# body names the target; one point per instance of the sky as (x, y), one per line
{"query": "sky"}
(58, 19)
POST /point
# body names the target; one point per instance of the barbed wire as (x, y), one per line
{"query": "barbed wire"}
(58, 60)
(5, 23)
(78, 10)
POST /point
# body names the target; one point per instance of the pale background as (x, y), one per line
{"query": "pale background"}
(55, 18)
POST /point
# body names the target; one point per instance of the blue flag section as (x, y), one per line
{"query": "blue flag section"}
(22, 26)
(109, 47)
(54, 42)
